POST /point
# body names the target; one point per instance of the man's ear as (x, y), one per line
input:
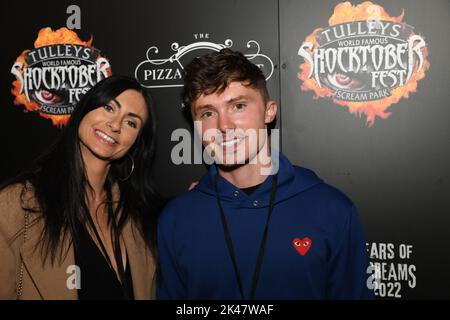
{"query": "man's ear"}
(271, 111)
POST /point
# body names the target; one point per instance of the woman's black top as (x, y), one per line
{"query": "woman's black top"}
(98, 279)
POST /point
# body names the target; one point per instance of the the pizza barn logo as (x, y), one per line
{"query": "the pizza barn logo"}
(168, 72)
(52, 78)
(365, 60)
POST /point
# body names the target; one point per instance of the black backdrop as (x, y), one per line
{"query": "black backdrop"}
(396, 171)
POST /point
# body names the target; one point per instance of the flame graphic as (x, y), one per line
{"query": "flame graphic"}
(346, 12)
(46, 37)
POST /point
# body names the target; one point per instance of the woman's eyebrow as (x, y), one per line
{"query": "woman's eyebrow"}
(116, 102)
(136, 116)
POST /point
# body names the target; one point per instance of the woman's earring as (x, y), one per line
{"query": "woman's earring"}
(132, 169)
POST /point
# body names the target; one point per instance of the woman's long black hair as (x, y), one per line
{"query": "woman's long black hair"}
(59, 180)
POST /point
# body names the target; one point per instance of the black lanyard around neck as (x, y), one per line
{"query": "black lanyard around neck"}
(262, 244)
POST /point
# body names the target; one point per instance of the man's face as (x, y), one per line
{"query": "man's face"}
(233, 123)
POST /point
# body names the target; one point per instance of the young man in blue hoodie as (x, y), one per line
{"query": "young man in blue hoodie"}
(255, 226)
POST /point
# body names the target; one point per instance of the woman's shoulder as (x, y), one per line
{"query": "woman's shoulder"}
(11, 194)
(13, 199)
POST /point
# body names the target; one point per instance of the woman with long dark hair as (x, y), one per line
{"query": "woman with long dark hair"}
(81, 223)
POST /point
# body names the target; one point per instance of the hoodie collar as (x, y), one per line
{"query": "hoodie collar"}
(290, 183)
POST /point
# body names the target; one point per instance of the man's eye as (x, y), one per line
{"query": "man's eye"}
(206, 114)
(240, 106)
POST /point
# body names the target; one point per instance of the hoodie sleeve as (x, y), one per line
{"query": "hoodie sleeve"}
(170, 284)
(347, 268)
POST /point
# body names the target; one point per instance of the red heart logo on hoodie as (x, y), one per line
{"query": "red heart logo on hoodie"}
(302, 246)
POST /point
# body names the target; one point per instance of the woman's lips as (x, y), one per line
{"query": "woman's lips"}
(103, 137)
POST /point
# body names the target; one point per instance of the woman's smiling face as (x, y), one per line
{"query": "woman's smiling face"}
(109, 131)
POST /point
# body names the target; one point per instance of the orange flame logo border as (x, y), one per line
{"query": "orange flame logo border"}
(346, 12)
(46, 37)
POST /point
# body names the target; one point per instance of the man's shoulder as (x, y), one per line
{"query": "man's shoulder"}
(328, 194)
(183, 205)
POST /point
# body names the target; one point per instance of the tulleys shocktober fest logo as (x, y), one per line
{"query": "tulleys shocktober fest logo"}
(52, 77)
(365, 60)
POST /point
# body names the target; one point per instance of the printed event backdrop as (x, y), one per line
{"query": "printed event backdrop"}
(362, 92)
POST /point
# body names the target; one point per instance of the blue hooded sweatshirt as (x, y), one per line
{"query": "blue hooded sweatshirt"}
(315, 246)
